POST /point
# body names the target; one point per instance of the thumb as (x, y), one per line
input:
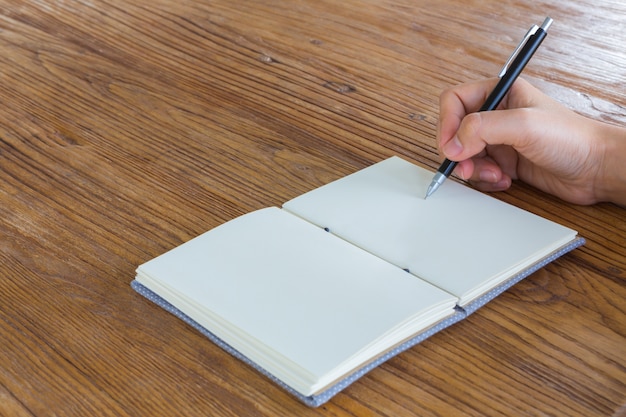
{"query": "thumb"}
(513, 127)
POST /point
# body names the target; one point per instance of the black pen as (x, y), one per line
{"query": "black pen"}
(511, 70)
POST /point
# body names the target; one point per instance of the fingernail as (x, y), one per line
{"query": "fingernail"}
(487, 175)
(453, 148)
(503, 184)
(458, 171)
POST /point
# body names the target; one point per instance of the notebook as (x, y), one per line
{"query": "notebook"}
(316, 293)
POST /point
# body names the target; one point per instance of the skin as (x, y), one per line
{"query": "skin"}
(532, 138)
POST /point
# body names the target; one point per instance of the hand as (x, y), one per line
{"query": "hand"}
(532, 138)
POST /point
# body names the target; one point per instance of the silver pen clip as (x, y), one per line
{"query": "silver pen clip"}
(533, 29)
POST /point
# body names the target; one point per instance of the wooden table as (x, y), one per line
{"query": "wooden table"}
(130, 126)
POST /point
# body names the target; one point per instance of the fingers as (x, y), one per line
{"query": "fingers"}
(455, 103)
(501, 185)
(488, 175)
(516, 128)
(462, 133)
(484, 173)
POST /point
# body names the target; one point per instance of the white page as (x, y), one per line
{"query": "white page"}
(459, 239)
(300, 294)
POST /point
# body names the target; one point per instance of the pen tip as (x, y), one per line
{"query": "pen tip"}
(435, 183)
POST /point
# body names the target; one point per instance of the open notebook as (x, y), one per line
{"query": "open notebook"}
(342, 278)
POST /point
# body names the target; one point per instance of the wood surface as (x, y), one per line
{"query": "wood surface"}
(130, 126)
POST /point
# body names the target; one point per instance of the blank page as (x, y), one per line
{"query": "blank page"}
(458, 239)
(298, 301)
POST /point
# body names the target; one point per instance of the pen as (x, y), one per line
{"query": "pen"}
(509, 73)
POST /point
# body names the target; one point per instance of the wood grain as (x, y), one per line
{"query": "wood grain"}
(128, 127)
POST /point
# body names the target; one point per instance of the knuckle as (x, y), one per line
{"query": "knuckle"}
(445, 94)
(472, 126)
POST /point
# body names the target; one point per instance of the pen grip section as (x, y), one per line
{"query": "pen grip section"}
(447, 167)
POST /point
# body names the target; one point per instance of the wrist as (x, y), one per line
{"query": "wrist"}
(610, 184)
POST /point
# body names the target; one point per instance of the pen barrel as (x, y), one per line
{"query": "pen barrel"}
(514, 70)
(447, 167)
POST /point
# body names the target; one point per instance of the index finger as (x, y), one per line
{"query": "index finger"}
(457, 102)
